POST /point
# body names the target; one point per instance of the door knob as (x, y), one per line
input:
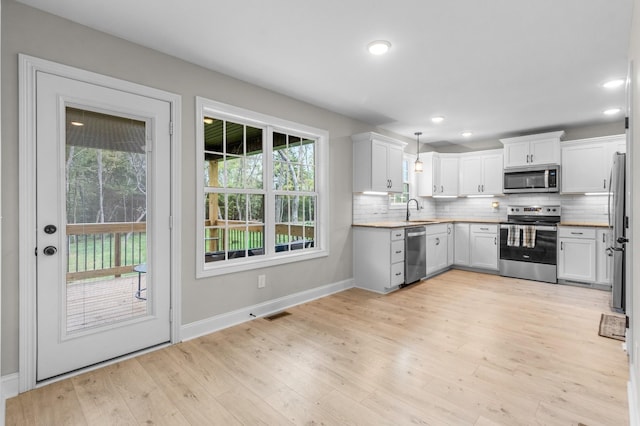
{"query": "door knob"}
(622, 240)
(50, 250)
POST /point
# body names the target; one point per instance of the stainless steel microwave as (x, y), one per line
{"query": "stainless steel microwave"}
(532, 179)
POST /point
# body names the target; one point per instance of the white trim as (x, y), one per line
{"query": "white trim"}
(10, 386)
(229, 319)
(28, 66)
(634, 398)
(269, 124)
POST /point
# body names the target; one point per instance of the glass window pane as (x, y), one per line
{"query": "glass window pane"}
(238, 238)
(235, 138)
(280, 175)
(308, 152)
(234, 172)
(213, 135)
(237, 207)
(307, 178)
(256, 208)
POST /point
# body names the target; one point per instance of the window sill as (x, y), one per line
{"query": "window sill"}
(248, 264)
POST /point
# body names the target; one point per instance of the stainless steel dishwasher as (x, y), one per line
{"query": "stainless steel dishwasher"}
(415, 254)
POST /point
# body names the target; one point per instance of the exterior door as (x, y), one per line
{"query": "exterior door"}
(103, 224)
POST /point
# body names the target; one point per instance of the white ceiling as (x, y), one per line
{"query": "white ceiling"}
(494, 67)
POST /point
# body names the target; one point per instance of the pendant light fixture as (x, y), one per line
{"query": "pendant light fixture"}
(418, 164)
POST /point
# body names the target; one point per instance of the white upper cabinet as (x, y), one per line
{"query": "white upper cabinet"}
(440, 175)
(586, 163)
(532, 150)
(377, 163)
(481, 173)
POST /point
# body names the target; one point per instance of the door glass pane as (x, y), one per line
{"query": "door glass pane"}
(106, 208)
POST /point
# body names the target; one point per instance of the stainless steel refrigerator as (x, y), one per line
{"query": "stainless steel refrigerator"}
(618, 227)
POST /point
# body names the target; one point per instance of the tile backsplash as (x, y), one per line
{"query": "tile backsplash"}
(575, 208)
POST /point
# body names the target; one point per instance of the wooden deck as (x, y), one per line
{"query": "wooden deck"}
(459, 349)
(91, 303)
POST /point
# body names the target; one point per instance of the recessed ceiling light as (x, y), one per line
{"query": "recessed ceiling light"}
(613, 84)
(437, 119)
(612, 111)
(467, 134)
(77, 123)
(379, 47)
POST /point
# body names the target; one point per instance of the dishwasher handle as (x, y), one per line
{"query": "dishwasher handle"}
(416, 234)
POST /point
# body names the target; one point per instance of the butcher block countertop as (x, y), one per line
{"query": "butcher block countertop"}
(419, 222)
(591, 224)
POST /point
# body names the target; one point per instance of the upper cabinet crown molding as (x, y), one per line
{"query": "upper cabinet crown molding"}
(377, 163)
(532, 150)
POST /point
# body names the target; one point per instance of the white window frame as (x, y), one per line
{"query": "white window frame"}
(211, 108)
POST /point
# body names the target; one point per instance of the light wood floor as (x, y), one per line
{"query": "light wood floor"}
(459, 349)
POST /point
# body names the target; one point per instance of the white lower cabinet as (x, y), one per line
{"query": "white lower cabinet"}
(461, 237)
(577, 254)
(450, 244)
(484, 246)
(378, 255)
(437, 248)
(604, 262)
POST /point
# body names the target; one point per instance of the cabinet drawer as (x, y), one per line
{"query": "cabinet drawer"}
(440, 228)
(484, 228)
(397, 251)
(397, 234)
(576, 232)
(397, 273)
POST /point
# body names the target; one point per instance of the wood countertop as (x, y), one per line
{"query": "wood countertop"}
(420, 222)
(587, 224)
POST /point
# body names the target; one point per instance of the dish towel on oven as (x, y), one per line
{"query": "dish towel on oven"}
(529, 236)
(513, 236)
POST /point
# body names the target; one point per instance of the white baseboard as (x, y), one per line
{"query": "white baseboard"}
(10, 385)
(229, 319)
(634, 397)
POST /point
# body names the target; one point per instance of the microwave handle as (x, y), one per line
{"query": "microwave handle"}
(546, 178)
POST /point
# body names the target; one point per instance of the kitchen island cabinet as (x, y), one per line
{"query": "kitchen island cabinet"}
(461, 250)
(378, 255)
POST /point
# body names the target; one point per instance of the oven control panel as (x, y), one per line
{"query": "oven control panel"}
(533, 210)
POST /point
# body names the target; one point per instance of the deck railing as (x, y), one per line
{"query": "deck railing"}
(105, 249)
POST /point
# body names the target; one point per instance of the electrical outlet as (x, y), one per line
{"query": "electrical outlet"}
(262, 281)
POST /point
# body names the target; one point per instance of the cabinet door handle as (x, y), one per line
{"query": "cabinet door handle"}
(434, 188)
(495, 241)
(576, 233)
(484, 229)
(398, 274)
(527, 158)
(398, 251)
(449, 230)
(483, 188)
(437, 241)
(603, 236)
(441, 188)
(561, 245)
(604, 184)
(531, 158)
(478, 188)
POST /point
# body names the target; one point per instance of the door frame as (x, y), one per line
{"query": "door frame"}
(28, 66)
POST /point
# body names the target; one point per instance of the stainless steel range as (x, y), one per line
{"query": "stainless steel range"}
(528, 243)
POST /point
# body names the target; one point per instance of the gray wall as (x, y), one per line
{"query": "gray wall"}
(27, 30)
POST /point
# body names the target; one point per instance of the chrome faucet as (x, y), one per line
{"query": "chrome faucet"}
(417, 207)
